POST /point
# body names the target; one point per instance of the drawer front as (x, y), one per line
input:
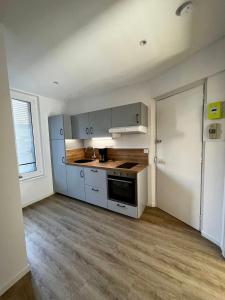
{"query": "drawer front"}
(95, 177)
(96, 196)
(123, 209)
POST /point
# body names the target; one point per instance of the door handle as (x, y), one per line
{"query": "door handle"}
(161, 162)
(158, 141)
(81, 173)
(91, 130)
(87, 130)
(63, 159)
(137, 118)
(95, 190)
(94, 171)
(120, 205)
(61, 131)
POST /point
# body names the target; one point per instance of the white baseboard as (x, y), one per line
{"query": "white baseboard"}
(211, 239)
(36, 200)
(10, 283)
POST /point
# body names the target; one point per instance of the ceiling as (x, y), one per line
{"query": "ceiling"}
(88, 46)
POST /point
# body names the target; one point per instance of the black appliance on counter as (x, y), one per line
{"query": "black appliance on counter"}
(103, 157)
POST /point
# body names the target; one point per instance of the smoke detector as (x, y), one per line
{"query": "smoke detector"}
(184, 9)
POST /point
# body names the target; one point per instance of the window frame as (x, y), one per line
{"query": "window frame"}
(35, 115)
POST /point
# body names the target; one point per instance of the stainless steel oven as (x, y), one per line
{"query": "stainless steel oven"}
(122, 187)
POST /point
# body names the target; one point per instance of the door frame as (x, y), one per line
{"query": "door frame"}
(162, 97)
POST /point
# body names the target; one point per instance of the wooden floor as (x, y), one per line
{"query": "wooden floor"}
(78, 251)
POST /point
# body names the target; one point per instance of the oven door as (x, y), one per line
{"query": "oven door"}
(122, 190)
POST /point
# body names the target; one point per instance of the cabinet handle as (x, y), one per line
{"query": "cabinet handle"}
(81, 173)
(120, 205)
(137, 118)
(20, 176)
(91, 130)
(87, 130)
(94, 171)
(63, 159)
(61, 131)
(95, 190)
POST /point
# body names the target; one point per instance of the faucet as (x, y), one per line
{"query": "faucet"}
(93, 154)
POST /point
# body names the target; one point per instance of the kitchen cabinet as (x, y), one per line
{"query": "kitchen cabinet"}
(95, 177)
(124, 209)
(100, 122)
(58, 166)
(80, 126)
(60, 127)
(96, 195)
(92, 124)
(96, 186)
(75, 182)
(134, 114)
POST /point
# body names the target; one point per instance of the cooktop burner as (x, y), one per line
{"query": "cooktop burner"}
(127, 165)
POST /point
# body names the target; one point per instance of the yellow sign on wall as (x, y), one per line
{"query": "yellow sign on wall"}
(215, 110)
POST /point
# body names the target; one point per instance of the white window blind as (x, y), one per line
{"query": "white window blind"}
(24, 136)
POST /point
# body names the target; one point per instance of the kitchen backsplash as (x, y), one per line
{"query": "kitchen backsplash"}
(134, 155)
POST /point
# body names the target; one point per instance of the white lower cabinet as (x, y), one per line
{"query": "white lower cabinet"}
(95, 177)
(90, 185)
(96, 195)
(75, 182)
(96, 186)
(124, 209)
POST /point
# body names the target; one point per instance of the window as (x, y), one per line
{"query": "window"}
(27, 134)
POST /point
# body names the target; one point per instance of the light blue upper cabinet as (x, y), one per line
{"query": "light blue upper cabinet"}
(80, 126)
(100, 123)
(60, 127)
(134, 114)
(92, 124)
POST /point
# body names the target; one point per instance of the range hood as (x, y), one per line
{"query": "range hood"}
(129, 129)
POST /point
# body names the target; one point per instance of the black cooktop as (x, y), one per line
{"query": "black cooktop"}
(127, 165)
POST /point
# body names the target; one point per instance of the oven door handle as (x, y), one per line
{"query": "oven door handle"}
(120, 180)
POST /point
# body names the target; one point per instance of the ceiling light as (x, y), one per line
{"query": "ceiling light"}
(143, 43)
(184, 8)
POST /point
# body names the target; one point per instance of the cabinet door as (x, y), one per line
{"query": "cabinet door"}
(58, 166)
(96, 195)
(126, 115)
(80, 126)
(75, 182)
(56, 127)
(100, 123)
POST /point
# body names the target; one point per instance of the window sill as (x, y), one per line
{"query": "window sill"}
(32, 178)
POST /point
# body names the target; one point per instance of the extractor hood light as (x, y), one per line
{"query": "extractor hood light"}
(102, 138)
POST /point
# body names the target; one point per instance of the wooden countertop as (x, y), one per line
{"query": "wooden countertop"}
(109, 165)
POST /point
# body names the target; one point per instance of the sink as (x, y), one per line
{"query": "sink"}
(82, 161)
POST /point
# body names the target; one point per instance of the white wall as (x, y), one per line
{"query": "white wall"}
(201, 65)
(13, 260)
(205, 63)
(214, 174)
(129, 94)
(39, 188)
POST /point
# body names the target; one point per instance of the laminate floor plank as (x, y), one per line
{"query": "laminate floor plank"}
(79, 251)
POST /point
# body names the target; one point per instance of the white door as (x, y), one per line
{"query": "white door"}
(179, 151)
